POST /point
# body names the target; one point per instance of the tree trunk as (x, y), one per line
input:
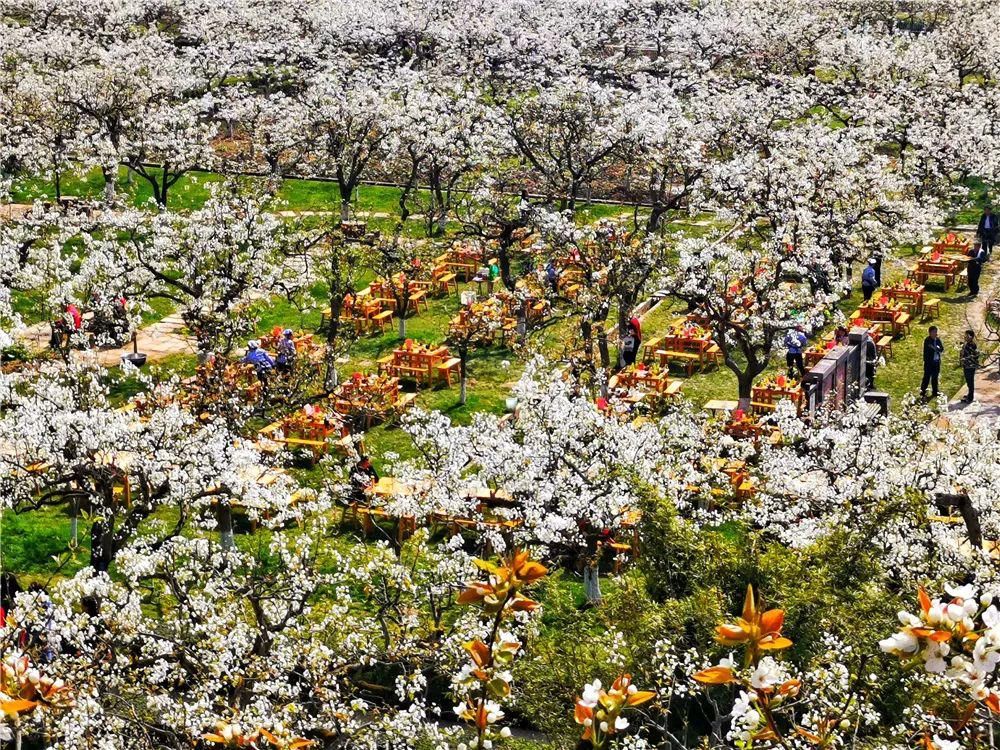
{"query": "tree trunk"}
(110, 177)
(402, 327)
(745, 381)
(74, 524)
(224, 515)
(463, 376)
(101, 545)
(592, 582)
(345, 210)
(330, 379)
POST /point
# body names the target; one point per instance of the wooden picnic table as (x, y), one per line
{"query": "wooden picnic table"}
(946, 268)
(897, 318)
(720, 406)
(765, 398)
(912, 296)
(371, 398)
(310, 427)
(423, 364)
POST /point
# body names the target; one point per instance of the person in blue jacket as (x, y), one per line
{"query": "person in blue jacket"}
(261, 360)
(795, 341)
(869, 280)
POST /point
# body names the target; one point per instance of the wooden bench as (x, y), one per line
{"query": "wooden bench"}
(688, 360)
(382, 320)
(405, 401)
(649, 352)
(417, 371)
(445, 283)
(673, 388)
(901, 323)
(317, 447)
(884, 346)
(415, 299)
(932, 308)
(714, 353)
(572, 291)
(446, 368)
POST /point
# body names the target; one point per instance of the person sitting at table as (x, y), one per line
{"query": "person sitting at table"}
(933, 349)
(260, 359)
(869, 280)
(987, 230)
(363, 477)
(795, 341)
(552, 274)
(976, 269)
(286, 352)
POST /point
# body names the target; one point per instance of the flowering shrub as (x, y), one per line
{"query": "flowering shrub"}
(486, 680)
(600, 711)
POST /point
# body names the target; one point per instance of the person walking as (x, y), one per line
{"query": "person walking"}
(795, 341)
(987, 230)
(975, 269)
(968, 359)
(869, 280)
(933, 349)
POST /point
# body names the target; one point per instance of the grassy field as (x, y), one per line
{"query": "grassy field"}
(31, 540)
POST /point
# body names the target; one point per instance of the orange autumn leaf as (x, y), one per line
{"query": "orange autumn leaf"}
(993, 702)
(815, 739)
(769, 644)
(715, 676)
(639, 697)
(772, 620)
(15, 707)
(925, 601)
(480, 652)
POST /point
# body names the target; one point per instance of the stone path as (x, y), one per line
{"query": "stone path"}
(987, 403)
(159, 340)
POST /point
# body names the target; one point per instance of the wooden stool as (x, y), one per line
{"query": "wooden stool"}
(932, 308)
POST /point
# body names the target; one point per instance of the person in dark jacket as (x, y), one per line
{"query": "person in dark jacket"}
(933, 349)
(631, 341)
(871, 363)
(987, 230)
(968, 359)
(975, 270)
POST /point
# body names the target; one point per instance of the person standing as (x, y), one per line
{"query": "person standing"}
(795, 340)
(975, 269)
(869, 280)
(987, 230)
(631, 341)
(285, 360)
(933, 349)
(871, 363)
(968, 359)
